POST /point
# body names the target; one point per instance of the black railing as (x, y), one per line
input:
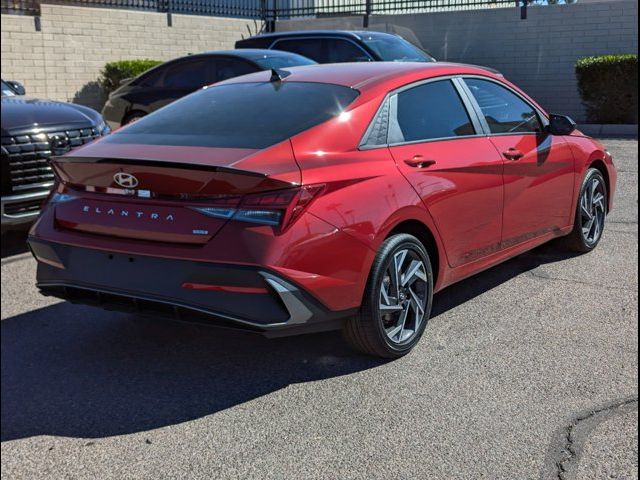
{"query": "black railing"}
(267, 10)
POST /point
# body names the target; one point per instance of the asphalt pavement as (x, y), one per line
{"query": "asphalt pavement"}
(526, 371)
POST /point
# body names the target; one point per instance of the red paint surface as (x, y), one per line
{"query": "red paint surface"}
(480, 207)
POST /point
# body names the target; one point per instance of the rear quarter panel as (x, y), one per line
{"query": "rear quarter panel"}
(367, 196)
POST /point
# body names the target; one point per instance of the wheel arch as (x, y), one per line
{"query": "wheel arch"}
(129, 113)
(599, 165)
(423, 233)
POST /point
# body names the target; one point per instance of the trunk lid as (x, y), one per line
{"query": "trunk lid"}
(149, 192)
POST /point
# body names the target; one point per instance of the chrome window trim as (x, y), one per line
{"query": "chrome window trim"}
(471, 110)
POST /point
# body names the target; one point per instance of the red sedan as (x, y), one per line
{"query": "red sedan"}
(332, 196)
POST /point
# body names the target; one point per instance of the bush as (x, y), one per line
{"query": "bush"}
(608, 86)
(114, 73)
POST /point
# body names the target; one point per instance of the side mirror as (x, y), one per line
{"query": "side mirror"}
(17, 87)
(561, 125)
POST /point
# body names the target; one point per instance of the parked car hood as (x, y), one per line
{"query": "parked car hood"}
(21, 112)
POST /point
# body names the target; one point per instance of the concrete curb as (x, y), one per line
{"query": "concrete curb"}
(603, 130)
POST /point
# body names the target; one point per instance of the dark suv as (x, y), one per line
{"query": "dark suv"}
(32, 131)
(176, 78)
(338, 46)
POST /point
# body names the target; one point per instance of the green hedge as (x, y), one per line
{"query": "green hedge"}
(609, 88)
(114, 72)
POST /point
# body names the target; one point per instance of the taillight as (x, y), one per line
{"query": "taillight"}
(278, 208)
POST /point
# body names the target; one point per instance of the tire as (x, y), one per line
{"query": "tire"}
(381, 327)
(591, 205)
(133, 117)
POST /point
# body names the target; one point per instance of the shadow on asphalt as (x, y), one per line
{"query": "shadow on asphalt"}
(77, 371)
(14, 243)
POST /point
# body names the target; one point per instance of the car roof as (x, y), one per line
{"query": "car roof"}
(366, 75)
(374, 78)
(357, 34)
(246, 53)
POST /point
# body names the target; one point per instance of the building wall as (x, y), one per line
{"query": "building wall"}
(63, 60)
(538, 54)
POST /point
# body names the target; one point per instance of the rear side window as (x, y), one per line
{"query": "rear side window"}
(504, 111)
(324, 50)
(310, 47)
(228, 68)
(152, 78)
(429, 111)
(243, 115)
(339, 51)
(191, 74)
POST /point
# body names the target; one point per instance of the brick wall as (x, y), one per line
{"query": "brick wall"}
(538, 54)
(63, 60)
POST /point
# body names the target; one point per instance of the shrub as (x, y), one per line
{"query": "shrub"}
(114, 73)
(608, 86)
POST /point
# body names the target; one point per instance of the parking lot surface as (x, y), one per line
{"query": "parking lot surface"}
(526, 371)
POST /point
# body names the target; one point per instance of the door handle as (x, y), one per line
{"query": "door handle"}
(418, 161)
(513, 154)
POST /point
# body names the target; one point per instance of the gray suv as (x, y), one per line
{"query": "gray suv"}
(32, 131)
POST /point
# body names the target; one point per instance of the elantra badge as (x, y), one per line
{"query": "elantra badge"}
(125, 180)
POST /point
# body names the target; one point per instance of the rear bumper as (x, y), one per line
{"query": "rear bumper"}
(245, 297)
(21, 209)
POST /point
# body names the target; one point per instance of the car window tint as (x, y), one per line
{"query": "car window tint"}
(152, 78)
(396, 49)
(190, 74)
(504, 111)
(228, 68)
(432, 110)
(241, 115)
(307, 47)
(7, 91)
(339, 51)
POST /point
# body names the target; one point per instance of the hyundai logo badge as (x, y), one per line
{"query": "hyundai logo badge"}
(125, 180)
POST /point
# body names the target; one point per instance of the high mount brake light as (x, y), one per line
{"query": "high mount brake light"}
(278, 208)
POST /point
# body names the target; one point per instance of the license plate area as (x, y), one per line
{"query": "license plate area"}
(142, 221)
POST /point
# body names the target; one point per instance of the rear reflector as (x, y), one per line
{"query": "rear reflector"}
(223, 288)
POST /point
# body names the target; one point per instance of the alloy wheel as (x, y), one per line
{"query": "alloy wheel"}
(593, 211)
(403, 296)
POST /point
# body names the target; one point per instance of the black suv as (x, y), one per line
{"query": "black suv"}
(338, 46)
(165, 83)
(32, 131)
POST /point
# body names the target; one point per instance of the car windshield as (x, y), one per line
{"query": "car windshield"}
(282, 61)
(240, 115)
(7, 91)
(395, 49)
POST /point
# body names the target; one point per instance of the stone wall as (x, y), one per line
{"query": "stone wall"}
(63, 60)
(538, 53)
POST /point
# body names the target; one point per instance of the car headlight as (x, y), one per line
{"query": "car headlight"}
(103, 128)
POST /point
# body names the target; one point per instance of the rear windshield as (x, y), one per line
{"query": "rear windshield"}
(242, 115)
(395, 49)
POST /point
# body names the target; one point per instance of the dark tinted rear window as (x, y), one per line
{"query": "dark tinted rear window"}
(244, 115)
(395, 49)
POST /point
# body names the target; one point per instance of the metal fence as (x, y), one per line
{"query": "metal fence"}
(266, 10)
